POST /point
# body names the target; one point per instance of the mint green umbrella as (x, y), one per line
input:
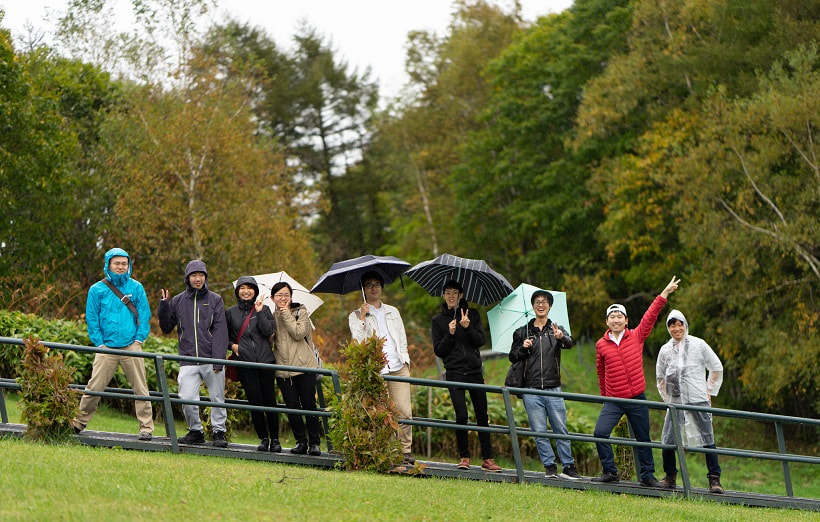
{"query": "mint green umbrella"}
(515, 311)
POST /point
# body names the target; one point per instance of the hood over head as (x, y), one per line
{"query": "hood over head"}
(676, 315)
(117, 279)
(246, 280)
(197, 265)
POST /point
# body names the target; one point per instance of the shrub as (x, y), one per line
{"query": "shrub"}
(363, 426)
(48, 404)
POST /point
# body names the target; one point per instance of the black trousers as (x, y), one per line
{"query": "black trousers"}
(479, 399)
(299, 393)
(260, 388)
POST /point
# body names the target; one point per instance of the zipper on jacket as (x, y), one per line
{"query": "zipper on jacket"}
(196, 330)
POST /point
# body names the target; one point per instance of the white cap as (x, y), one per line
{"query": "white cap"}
(616, 308)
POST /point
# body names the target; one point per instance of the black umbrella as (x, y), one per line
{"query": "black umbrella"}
(482, 285)
(345, 276)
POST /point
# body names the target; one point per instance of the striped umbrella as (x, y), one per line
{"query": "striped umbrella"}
(482, 285)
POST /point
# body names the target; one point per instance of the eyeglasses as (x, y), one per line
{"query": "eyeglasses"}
(541, 302)
(281, 296)
(368, 286)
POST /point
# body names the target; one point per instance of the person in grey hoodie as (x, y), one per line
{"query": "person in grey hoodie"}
(199, 317)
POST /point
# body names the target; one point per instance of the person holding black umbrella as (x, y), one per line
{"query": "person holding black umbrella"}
(457, 338)
(384, 321)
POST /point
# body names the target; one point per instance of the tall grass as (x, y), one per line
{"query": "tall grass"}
(73, 482)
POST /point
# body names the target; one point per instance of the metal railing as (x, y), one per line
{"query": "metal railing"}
(167, 399)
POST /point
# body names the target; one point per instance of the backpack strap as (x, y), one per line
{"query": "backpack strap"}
(124, 298)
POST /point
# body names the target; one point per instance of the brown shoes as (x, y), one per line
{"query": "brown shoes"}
(464, 463)
(490, 465)
(669, 481)
(714, 484)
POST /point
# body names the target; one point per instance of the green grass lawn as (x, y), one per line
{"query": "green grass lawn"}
(75, 482)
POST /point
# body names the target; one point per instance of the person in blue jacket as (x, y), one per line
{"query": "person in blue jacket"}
(112, 323)
(199, 317)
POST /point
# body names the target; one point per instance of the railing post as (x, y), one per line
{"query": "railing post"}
(679, 449)
(167, 409)
(519, 465)
(781, 447)
(4, 416)
(321, 396)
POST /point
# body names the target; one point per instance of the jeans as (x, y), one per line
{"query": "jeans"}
(190, 378)
(479, 399)
(638, 417)
(260, 389)
(299, 393)
(711, 462)
(539, 409)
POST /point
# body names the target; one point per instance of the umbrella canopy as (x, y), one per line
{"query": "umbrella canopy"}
(516, 310)
(300, 293)
(345, 276)
(482, 285)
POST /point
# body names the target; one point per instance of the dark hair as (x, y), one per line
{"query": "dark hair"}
(673, 320)
(455, 285)
(542, 293)
(372, 275)
(280, 285)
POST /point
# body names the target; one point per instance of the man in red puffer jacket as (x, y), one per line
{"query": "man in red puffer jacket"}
(619, 360)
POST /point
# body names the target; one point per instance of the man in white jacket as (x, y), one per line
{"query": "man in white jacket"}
(681, 373)
(376, 318)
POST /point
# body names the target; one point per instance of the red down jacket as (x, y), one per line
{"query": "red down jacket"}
(620, 368)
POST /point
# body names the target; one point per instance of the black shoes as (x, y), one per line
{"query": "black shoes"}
(219, 439)
(607, 478)
(408, 459)
(145, 435)
(551, 471)
(570, 473)
(652, 482)
(275, 447)
(300, 449)
(314, 450)
(193, 437)
(264, 444)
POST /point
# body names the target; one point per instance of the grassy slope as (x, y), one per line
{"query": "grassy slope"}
(72, 482)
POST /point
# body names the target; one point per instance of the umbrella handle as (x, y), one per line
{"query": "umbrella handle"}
(364, 299)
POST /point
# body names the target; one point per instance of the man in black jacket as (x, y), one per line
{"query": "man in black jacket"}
(457, 337)
(539, 343)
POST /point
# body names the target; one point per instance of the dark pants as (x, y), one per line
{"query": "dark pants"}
(638, 417)
(479, 399)
(711, 462)
(259, 386)
(299, 393)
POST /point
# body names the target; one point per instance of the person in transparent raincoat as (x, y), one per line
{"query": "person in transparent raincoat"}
(681, 372)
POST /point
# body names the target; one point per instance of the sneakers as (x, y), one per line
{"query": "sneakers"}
(275, 447)
(714, 484)
(219, 439)
(607, 477)
(551, 471)
(193, 437)
(570, 473)
(490, 465)
(408, 459)
(652, 482)
(264, 444)
(145, 435)
(669, 481)
(464, 463)
(300, 449)
(314, 450)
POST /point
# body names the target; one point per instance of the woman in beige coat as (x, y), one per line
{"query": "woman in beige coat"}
(294, 348)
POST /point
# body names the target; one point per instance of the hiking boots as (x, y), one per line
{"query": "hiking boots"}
(570, 473)
(669, 481)
(714, 484)
(193, 437)
(219, 439)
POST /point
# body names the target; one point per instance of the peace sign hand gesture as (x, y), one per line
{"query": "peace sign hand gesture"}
(465, 319)
(557, 332)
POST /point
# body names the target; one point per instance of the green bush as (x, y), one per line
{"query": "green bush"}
(363, 426)
(48, 404)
